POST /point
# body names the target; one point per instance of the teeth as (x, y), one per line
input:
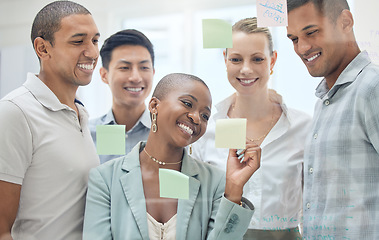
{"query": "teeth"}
(86, 66)
(247, 81)
(186, 128)
(134, 89)
(314, 57)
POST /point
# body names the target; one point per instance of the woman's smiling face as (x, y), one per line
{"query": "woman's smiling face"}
(183, 113)
(249, 61)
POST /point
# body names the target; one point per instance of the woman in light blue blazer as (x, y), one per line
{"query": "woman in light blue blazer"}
(123, 199)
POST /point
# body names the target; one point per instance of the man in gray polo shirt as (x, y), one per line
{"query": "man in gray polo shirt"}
(46, 147)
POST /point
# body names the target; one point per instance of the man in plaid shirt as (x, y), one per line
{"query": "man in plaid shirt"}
(341, 163)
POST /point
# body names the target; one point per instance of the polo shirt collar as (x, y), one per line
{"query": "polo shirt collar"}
(43, 94)
(144, 119)
(348, 75)
(109, 118)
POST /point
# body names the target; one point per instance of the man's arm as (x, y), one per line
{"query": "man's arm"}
(16, 156)
(9, 200)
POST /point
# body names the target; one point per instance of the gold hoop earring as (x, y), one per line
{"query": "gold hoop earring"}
(190, 149)
(272, 71)
(154, 127)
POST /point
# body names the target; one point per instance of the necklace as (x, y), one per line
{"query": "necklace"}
(157, 161)
(264, 135)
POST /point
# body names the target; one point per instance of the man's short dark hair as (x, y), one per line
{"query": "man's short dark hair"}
(125, 37)
(48, 19)
(329, 8)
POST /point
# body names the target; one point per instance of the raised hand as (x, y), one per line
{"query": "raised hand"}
(239, 172)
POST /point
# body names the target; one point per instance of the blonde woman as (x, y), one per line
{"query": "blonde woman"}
(276, 188)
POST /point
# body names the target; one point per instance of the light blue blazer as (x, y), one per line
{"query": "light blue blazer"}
(116, 207)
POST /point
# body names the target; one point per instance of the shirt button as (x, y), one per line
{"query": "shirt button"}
(311, 170)
(126, 136)
(315, 136)
(308, 205)
(326, 102)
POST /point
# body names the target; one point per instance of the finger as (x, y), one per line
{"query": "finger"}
(259, 151)
(251, 144)
(232, 153)
(239, 151)
(249, 155)
(253, 154)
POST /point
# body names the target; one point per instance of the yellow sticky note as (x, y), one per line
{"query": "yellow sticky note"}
(272, 13)
(231, 133)
(173, 184)
(110, 139)
(217, 33)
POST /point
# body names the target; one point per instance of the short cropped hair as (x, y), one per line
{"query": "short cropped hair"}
(48, 19)
(173, 81)
(124, 37)
(249, 25)
(328, 8)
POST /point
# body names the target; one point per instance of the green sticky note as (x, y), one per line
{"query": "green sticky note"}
(110, 139)
(217, 33)
(173, 184)
(231, 133)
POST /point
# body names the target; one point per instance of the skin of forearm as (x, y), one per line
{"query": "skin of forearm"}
(233, 192)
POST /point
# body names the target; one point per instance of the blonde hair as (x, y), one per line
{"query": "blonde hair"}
(249, 25)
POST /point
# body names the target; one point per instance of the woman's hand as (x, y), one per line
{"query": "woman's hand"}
(239, 172)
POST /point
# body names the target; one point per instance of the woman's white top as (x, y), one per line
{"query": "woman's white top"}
(275, 188)
(161, 231)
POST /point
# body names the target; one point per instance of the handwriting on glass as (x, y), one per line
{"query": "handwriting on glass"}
(274, 11)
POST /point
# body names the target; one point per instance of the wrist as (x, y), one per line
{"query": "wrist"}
(233, 194)
(234, 199)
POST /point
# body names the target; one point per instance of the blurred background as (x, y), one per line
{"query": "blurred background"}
(174, 27)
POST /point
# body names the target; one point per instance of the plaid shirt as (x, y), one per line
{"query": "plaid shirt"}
(341, 164)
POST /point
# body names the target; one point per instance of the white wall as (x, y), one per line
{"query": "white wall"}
(367, 27)
(14, 60)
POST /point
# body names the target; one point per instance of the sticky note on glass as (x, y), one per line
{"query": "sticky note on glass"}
(217, 33)
(110, 139)
(231, 133)
(173, 184)
(272, 13)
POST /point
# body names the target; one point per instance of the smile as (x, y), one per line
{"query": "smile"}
(313, 58)
(186, 128)
(86, 66)
(247, 81)
(139, 89)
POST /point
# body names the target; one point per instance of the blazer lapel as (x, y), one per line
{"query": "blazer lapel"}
(185, 206)
(132, 185)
